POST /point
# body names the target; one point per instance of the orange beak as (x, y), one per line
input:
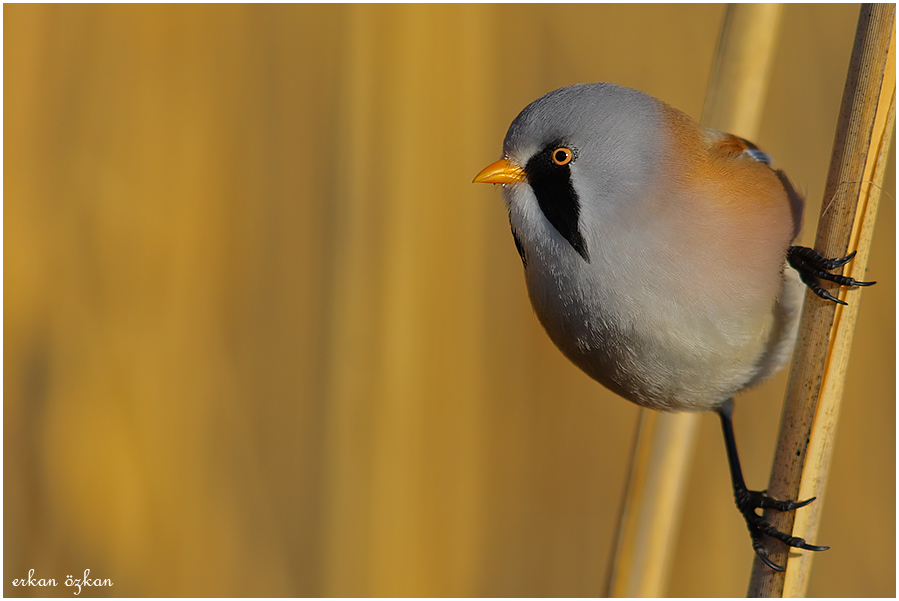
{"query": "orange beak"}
(502, 171)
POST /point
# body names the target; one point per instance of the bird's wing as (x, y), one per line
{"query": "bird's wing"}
(735, 145)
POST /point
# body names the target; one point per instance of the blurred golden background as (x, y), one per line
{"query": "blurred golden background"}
(263, 337)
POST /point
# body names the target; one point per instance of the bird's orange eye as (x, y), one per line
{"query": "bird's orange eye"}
(562, 156)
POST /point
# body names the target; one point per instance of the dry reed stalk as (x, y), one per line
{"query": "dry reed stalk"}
(808, 422)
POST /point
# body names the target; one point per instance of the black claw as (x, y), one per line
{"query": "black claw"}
(799, 504)
(813, 257)
(834, 263)
(812, 283)
(767, 528)
(763, 501)
(819, 260)
(762, 552)
(815, 547)
(812, 265)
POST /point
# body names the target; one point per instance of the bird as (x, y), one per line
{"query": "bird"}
(659, 256)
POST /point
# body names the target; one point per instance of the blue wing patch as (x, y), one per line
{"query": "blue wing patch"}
(758, 155)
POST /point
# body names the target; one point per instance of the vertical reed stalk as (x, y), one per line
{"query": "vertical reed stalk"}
(811, 407)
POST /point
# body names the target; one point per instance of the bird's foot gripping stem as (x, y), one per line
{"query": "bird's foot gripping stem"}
(812, 265)
(750, 500)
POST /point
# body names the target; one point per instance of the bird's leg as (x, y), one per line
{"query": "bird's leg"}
(750, 500)
(812, 265)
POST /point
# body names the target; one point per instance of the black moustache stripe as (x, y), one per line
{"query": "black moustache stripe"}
(557, 197)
